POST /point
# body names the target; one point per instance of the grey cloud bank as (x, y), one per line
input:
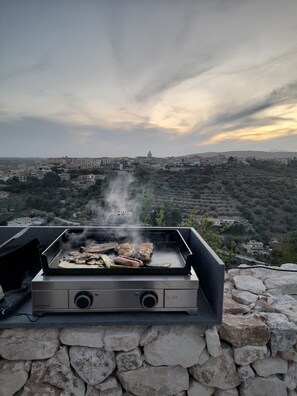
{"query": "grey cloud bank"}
(97, 78)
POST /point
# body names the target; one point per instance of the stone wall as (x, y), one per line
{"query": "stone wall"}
(253, 352)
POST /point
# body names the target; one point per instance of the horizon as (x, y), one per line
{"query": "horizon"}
(110, 78)
(169, 156)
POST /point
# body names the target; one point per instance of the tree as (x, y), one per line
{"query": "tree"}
(160, 217)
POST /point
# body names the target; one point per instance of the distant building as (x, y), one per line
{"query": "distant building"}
(26, 222)
(149, 154)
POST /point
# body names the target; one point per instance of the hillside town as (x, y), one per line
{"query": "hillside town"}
(211, 193)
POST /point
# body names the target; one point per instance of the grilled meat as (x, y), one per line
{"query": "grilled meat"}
(145, 251)
(125, 249)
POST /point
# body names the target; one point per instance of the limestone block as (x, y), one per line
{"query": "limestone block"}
(291, 376)
(244, 297)
(203, 357)
(249, 353)
(270, 365)
(93, 365)
(217, 372)
(149, 335)
(245, 373)
(283, 334)
(258, 386)
(175, 345)
(122, 338)
(110, 383)
(33, 388)
(155, 381)
(55, 374)
(197, 389)
(244, 330)
(13, 376)
(92, 391)
(62, 356)
(118, 391)
(287, 305)
(289, 266)
(29, 344)
(285, 282)
(249, 283)
(89, 336)
(233, 307)
(228, 392)
(130, 360)
(213, 342)
(289, 355)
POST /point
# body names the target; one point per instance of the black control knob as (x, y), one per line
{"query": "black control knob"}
(149, 299)
(83, 300)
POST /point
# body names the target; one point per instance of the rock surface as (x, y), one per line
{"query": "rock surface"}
(130, 360)
(244, 330)
(264, 387)
(198, 389)
(29, 344)
(249, 353)
(155, 381)
(213, 342)
(176, 345)
(217, 372)
(93, 365)
(249, 283)
(122, 338)
(13, 376)
(89, 336)
(269, 366)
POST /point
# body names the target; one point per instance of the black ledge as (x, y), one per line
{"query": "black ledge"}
(208, 266)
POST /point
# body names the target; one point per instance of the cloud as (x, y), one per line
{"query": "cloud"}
(22, 71)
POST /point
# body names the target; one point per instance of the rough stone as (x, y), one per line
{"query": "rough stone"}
(40, 389)
(228, 392)
(203, 357)
(155, 381)
(249, 353)
(54, 373)
(93, 365)
(149, 335)
(291, 376)
(244, 297)
(13, 376)
(110, 383)
(283, 334)
(244, 330)
(118, 391)
(89, 336)
(287, 305)
(289, 355)
(176, 345)
(249, 283)
(28, 344)
(285, 283)
(130, 360)
(92, 391)
(217, 372)
(198, 389)
(259, 386)
(213, 342)
(122, 338)
(270, 365)
(245, 373)
(234, 308)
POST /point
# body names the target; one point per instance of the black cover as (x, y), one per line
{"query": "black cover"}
(18, 266)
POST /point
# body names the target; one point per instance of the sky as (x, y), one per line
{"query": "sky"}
(95, 78)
